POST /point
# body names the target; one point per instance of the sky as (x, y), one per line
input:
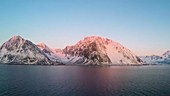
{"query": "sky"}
(143, 26)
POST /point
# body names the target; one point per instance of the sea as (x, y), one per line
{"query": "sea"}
(37, 80)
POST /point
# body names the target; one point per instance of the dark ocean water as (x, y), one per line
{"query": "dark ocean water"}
(20, 80)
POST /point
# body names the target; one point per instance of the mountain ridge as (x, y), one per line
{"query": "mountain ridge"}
(155, 59)
(92, 50)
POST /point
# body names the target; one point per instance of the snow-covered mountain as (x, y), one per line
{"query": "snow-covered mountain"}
(92, 50)
(44, 48)
(96, 50)
(20, 51)
(166, 57)
(52, 54)
(154, 59)
(166, 54)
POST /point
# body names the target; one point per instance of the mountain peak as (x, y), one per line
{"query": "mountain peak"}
(14, 41)
(15, 38)
(92, 37)
(96, 38)
(42, 45)
(44, 48)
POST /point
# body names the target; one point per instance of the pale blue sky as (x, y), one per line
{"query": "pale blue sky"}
(143, 26)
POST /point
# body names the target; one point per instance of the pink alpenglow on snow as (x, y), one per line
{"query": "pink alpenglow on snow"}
(92, 50)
